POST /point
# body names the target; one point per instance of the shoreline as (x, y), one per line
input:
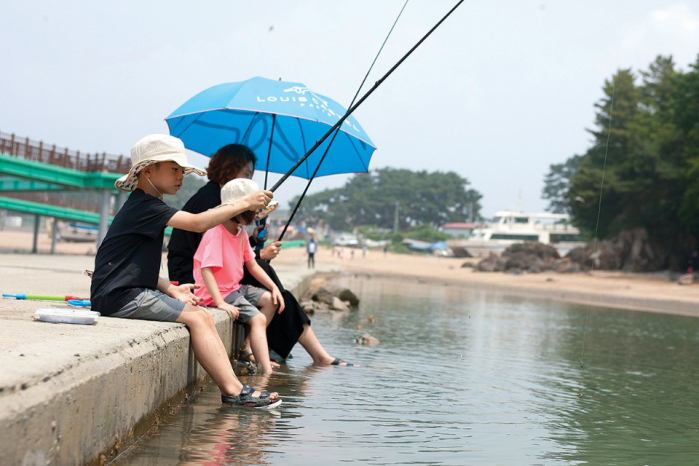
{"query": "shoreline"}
(622, 290)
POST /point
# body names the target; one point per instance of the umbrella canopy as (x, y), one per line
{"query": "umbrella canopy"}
(281, 118)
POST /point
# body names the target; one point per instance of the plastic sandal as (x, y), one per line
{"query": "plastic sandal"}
(245, 355)
(245, 399)
(339, 361)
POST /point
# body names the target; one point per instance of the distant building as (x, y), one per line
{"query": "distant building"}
(458, 229)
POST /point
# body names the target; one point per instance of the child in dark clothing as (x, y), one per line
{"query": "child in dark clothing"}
(125, 282)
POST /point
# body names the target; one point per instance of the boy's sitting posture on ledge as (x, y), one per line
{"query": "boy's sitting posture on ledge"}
(125, 282)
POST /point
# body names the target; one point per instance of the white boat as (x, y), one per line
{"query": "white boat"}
(510, 227)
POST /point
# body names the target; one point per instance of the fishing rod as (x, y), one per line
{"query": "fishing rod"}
(327, 149)
(361, 101)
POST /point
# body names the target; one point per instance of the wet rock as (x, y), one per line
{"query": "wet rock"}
(460, 251)
(492, 263)
(339, 305)
(324, 296)
(345, 294)
(367, 340)
(308, 306)
(566, 265)
(631, 251)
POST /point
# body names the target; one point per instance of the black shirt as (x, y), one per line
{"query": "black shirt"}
(183, 244)
(128, 260)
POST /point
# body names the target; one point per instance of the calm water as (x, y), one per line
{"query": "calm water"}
(462, 377)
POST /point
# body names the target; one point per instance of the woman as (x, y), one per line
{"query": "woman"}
(285, 329)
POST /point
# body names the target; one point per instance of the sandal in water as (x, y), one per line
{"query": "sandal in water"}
(338, 362)
(246, 399)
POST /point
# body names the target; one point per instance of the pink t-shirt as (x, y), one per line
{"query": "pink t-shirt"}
(225, 254)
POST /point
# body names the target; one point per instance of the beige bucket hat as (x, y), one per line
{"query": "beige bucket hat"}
(237, 189)
(152, 149)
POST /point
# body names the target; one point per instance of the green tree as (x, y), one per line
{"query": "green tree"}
(372, 199)
(652, 160)
(557, 183)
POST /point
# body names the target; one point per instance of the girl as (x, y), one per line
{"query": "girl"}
(218, 267)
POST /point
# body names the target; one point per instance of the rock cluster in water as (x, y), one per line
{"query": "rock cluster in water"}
(322, 296)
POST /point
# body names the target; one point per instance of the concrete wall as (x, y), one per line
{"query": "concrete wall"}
(73, 394)
(94, 406)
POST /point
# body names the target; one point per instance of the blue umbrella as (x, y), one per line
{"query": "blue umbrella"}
(280, 121)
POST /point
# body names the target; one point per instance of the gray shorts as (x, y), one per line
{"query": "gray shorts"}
(152, 305)
(245, 298)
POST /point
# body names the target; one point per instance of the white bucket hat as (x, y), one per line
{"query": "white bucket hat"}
(237, 189)
(152, 149)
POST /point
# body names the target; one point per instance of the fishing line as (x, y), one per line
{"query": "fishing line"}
(296, 207)
(599, 211)
(361, 101)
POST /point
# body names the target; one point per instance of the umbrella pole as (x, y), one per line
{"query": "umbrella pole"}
(308, 185)
(263, 222)
(361, 101)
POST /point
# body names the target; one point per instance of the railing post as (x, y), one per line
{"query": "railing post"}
(104, 215)
(12, 144)
(54, 235)
(52, 158)
(35, 242)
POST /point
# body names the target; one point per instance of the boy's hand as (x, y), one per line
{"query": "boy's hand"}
(232, 311)
(259, 199)
(277, 299)
(271, 251)
(184, 293)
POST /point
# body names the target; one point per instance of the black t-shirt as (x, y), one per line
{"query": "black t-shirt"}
(128, 260)
(183, 244)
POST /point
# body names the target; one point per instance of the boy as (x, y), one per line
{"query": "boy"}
(125, 282)
(218, 264)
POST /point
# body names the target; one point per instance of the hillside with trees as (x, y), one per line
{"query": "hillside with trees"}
(651, 179)
(371, 199)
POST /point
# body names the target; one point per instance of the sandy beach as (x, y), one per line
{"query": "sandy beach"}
(646, 292)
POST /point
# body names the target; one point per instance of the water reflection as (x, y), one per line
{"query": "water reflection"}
(462, 377)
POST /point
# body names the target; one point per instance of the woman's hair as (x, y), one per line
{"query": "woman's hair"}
(227, 162)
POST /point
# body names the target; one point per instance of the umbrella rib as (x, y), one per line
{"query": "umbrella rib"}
(359, 155)
(303, 139)
(190, 123)
(249, 126)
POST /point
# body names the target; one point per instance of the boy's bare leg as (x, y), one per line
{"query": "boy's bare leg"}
(210, 351)
(258, 342)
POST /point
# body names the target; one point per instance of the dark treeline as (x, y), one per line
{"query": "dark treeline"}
(652, 168)
(370, 199)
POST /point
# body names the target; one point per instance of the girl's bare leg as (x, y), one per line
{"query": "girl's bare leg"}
(258, 342)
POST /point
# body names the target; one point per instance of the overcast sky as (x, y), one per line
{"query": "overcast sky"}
(498, 93)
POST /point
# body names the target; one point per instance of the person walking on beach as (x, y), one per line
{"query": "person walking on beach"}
(125, 282)
(218, 269)
(311, 248)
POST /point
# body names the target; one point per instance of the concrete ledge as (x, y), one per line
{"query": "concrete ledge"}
(71, 393)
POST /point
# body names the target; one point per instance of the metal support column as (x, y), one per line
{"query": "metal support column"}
(121, 199)
(35, 243)
(54, 235)
(104, 215)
